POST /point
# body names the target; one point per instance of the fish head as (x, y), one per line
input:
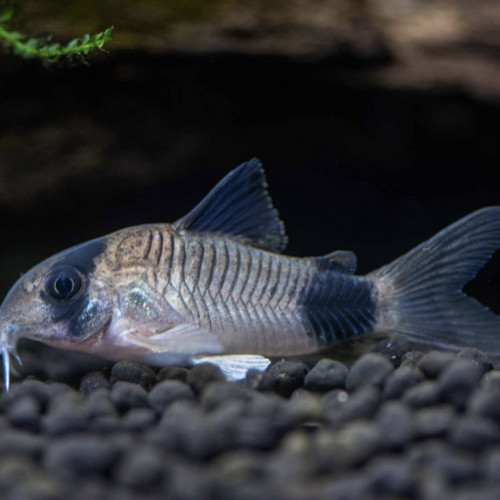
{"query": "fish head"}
(63, 302)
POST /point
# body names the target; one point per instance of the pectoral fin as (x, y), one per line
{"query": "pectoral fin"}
(184, 338)
(235, 366)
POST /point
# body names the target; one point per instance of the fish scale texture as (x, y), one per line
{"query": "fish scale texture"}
(406, 425)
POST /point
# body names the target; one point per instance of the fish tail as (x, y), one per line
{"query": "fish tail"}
(419, 295)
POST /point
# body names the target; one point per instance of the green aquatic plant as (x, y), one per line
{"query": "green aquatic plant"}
(41, 48)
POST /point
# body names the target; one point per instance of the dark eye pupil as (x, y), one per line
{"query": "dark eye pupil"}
(63, 285)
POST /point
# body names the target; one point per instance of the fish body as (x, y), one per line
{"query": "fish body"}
(214, 286)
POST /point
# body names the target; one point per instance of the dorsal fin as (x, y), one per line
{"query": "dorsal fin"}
(239, 205)
(340, 260)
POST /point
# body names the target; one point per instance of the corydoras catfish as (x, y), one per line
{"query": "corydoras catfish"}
(214, 287)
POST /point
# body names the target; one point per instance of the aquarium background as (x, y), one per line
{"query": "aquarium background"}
(373, 138)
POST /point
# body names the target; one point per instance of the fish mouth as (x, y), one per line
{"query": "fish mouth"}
(8, 348)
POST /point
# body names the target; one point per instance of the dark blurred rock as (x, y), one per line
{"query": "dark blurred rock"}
(400, 380)
(138, 419)
(434, 422)
(426, 393)
(172, 373)
(411, 359)
(125, 395)
(220, 393)
(392, 476)
(201, 375)
(14, 442)
(361, 404)
(371, 369)
(434, 362)
(287, 376)
(65, 418)
(474, 433)
(134, 372)
(39, 487)
(480, 358)
(141, 468)
(457, 381)
(396, 425)
(78, 456)
(392, 349)
(491, 465)
(93, 381)
(491, 380)
(168, 391)
(259, 381)
(24, 413)
(485, 403)
(327, 374)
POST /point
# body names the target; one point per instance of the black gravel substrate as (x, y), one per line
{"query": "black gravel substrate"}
(418, 426)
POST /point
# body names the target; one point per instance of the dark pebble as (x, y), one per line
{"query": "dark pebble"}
(454, 468)
(491, 380)
(474, 433)
(168, 391)
(76, 456)
(254, 433)
(426, 393)
(24, 413)
(38, 487)
(172, 373)
(477, 357)
(392, 349)
(400, 380)
(64, 418)
(287, 376)
(411, 359)
(125, 395)
(106, 424)
(391, 476)
(98, 404)
(133, 372)
(205, 436)
(94, 381)
(371, 369)
(259, 381)
(457, 381)
(351, 487)
(351, 446)
(138, 419)
(219, 393)
(327, 374)
(425, 452)
(490, 466)
(142, 468)
(434, 362)
(21, 443)
(187, 482)
(485, 403)
(396, 425)
(32, 388)
(362, 404)
(201, 375)
(15, 470)
(434, 422)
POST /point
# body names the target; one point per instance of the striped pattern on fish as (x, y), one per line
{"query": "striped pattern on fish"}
(255, 301)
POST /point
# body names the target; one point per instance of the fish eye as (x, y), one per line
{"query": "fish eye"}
(63, 283)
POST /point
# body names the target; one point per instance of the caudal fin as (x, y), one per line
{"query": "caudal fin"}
(420, 294)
